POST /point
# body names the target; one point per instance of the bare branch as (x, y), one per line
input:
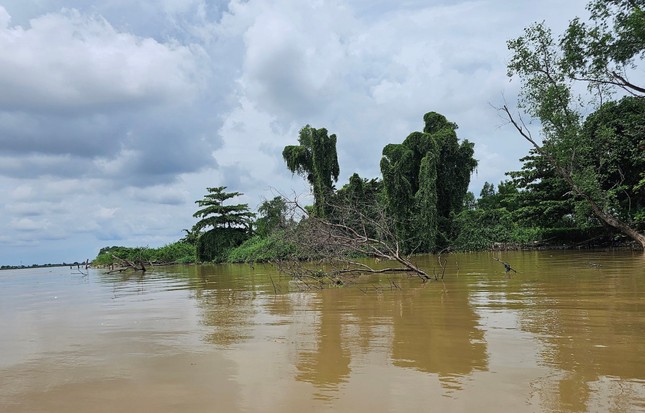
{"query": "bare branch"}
(351, 233)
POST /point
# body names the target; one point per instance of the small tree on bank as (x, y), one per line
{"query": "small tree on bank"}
(229, 225)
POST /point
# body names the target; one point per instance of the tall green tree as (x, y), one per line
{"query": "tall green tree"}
(227, 225)
(544, 199)
(455, 165)
(425, 182)
(315, 159)
(613, 149)
(600, 54)
(398, 185)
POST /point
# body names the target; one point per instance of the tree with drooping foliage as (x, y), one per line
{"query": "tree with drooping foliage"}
(315, 159)
(455, 165)
(425, 181)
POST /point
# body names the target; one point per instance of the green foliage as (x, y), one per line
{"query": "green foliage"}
(470, 202)
(263, 249)
(610, 164)
(506, 196)
(482, 229)
(358, 204)
(425, 183)
(546, 89)
(216, 215)
(426, 202)
(360, 191)
(398, 180)
(603, 49)
(230, 224)
(600, 158)
(544, 199)
(214, 245)
(272, 216)
(315, 159)
(177, 252)
(612, 154)
(191, 236)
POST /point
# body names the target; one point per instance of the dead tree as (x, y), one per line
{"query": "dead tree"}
(125, 264)
(330, 244)
(507, 266)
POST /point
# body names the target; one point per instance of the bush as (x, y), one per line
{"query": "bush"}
(263, 249)
(214, 245)
(177, 252)
(480, 229)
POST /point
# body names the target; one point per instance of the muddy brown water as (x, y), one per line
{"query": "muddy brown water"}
(564, 334)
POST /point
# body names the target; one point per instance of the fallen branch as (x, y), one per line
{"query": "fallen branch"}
(507, 266)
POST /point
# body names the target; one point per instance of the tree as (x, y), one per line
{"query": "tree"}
(603, 51)
(600, 55)
(360, 198)
(315, 159)
(425, 183)
(614, 149)
(487, 197)
(229, 225)
(505, 196)
(272, 215)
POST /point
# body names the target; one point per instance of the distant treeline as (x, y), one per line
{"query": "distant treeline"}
(17, 267)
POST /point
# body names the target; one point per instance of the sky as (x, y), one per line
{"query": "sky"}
(116, 115)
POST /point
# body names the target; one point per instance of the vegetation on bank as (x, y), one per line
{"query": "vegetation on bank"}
(582, 183)
(179, 252)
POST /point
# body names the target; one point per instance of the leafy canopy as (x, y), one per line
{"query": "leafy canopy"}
(315, 159)
(216, 215)
(594, 156)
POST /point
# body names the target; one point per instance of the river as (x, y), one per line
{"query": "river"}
(566, 333)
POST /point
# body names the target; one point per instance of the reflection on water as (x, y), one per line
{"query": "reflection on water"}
(567, 333)
(448, 339)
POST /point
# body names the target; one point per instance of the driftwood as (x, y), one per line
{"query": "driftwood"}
(126, 264)
(507, 266)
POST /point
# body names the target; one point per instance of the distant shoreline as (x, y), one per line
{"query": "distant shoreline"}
(22, 267)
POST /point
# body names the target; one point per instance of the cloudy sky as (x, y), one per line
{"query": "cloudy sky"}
(115, 115)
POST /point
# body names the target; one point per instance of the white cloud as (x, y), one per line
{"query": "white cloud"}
(28, 224)
(70, 60)
(290, 64)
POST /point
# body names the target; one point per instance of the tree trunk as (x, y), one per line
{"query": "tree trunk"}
(618, 224)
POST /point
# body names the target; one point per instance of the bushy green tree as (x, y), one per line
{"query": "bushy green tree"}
(272, 216)
(425, 182)
(544, 198)
(227, 225)
(613, 150)
(177, 252)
